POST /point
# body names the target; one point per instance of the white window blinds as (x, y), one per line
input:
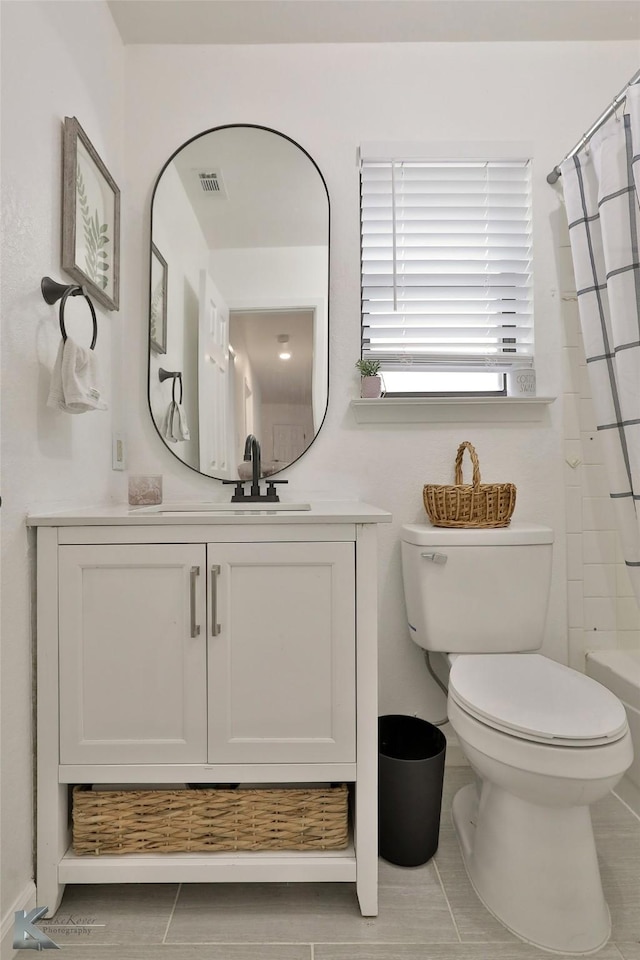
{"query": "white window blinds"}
(446, 264)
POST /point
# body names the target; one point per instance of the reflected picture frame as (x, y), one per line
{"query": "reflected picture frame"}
(158, 301)
(90, 218)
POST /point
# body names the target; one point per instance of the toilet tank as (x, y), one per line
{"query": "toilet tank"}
(477, 591)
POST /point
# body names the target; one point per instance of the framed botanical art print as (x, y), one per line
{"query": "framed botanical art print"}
(158, 303)
(90, 218)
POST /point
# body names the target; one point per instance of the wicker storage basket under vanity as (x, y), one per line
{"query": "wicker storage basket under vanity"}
(204, 819)
(469, 505)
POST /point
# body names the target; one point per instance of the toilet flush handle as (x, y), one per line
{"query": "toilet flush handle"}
(435, 557)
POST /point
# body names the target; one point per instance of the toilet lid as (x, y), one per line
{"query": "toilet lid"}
(534, 698)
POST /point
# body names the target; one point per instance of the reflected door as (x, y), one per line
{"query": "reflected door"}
(288, 441)
(216, 425)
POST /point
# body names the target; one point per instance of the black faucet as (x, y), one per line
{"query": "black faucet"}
(252, 453)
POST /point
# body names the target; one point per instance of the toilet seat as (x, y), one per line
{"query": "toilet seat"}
(531, 697)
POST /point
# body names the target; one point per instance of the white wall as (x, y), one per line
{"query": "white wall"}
(58, 59)
(272, 274)
(179, 238)
(330, 98)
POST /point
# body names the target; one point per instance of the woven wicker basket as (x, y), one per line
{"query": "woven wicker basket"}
(469, 505)
(200, 820)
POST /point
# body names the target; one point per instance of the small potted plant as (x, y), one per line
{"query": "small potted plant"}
(370, 382)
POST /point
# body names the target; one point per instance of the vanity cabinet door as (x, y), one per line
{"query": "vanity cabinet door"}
(132, 653)
(281, 652)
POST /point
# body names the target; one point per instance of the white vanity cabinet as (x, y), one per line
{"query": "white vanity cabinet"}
(154, 671)
(133, 672)
(207, 648)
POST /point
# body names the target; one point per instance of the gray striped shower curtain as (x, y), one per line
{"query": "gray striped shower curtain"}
(601, 186)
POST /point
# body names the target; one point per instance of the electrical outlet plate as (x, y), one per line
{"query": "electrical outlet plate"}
(118, 452)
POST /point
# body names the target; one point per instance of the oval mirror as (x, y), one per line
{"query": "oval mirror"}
(239, 291)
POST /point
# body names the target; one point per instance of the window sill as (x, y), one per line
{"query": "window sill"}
(450, 409)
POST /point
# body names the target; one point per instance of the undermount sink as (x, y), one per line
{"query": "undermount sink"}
(234, 508)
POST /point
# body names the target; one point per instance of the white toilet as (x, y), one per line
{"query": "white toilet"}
(544, 740)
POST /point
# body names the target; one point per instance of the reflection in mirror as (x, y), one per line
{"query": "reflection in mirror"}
(239, 300)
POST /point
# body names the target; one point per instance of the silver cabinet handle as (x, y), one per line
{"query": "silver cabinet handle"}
(435, 557)
(195, 628)
(215, 626)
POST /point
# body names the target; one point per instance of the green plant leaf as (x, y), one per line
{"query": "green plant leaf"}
(368, 367)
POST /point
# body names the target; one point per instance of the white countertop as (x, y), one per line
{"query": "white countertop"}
(321, 511)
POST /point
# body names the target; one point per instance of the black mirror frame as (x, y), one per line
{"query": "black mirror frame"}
(229, 126)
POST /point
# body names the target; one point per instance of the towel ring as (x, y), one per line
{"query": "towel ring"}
(52, 292)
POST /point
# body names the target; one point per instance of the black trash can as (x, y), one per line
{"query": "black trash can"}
(411, 756)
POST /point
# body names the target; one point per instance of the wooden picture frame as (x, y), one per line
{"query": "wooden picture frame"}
(90, 218)
(158, 301)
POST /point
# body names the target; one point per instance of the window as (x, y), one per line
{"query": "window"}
(446, 272)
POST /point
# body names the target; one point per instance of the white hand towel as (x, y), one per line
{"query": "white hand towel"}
(175, 427)
(184, 426)
(56, 394)
(167, 426)
(75, 380)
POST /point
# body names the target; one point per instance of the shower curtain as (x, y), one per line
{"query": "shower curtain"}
(601, 186)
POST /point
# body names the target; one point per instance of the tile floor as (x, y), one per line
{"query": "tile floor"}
(426, 913)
